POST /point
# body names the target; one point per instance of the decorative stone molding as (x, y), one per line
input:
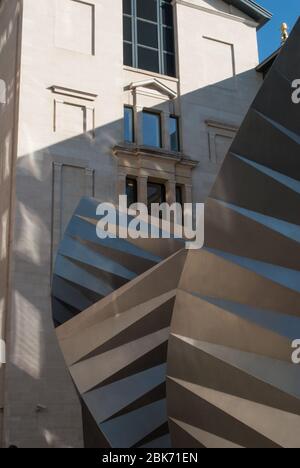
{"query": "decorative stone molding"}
(74, 26)
(77, 100)
(155, 164)
(73, 93)
(88, 175)
(151, 84)
(223, 14)
(216, 129)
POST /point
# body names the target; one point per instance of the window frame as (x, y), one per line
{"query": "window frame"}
(131, 108)
(162, 69)
(179, 191)
(130, 179)
(163, 188)
(177, 119)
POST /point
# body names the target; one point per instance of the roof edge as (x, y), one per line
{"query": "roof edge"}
(253, 9)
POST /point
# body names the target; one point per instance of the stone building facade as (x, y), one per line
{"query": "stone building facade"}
(98, 98)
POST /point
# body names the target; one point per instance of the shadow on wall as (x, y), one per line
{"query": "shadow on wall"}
(44, 206)
(9, 85)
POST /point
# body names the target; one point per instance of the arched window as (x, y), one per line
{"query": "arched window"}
(149, 35)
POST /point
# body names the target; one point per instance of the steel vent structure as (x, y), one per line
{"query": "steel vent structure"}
(231, 380)
(176, 348)
(112, 304)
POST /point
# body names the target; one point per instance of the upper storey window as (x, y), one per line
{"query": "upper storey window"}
(149, 35)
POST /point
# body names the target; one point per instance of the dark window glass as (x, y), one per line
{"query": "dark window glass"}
(169, 64)
(167, 14)
(179, 198)
(148, 59)
(128, 125)
(147, 9)
(168, 38)
(131, 191)
(174, 133)
(127, 7)
(149, 28)
(156, 194)
(127, 29)
(151, 129)
(147, 34)
(128, 54)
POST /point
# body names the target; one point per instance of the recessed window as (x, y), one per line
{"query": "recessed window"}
(156, 194)
(179, 197)
(149, 35)
(128, 125)
(131, 191)
(174, 133)
(152, 129)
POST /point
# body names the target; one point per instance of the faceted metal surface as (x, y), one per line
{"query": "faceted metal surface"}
(113, 301)
(231, 380)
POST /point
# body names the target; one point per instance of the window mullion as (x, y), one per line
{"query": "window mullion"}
(134, 33)
(160, 36)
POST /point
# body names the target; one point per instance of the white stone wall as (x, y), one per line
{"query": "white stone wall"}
(59, 160)
(217, 54)
(73, 88)
(10, 34)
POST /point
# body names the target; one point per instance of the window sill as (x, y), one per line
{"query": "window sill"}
(135, 150)
(147, 73)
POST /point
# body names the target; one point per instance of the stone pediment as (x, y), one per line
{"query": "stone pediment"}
(153, 86)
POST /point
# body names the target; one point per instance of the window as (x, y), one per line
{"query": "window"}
(149, 35)
(152, 129)
(174, 133)
(131, 191)
(156, 194)
(179, 197)
(128, 125)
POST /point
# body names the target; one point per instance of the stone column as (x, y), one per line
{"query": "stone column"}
(165, 131)
(138, 125)
(188, 194)
(142, 189)
(121, 188)
(171, 192)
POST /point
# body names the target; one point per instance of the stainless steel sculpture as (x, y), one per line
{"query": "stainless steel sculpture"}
(231, 380)
(234, 306)
(116, 348)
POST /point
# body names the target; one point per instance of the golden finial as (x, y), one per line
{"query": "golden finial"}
(284, 32)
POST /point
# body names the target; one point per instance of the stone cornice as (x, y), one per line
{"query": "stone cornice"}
(249, 22)
(222, 126)
(143, 151)
(73, 93)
